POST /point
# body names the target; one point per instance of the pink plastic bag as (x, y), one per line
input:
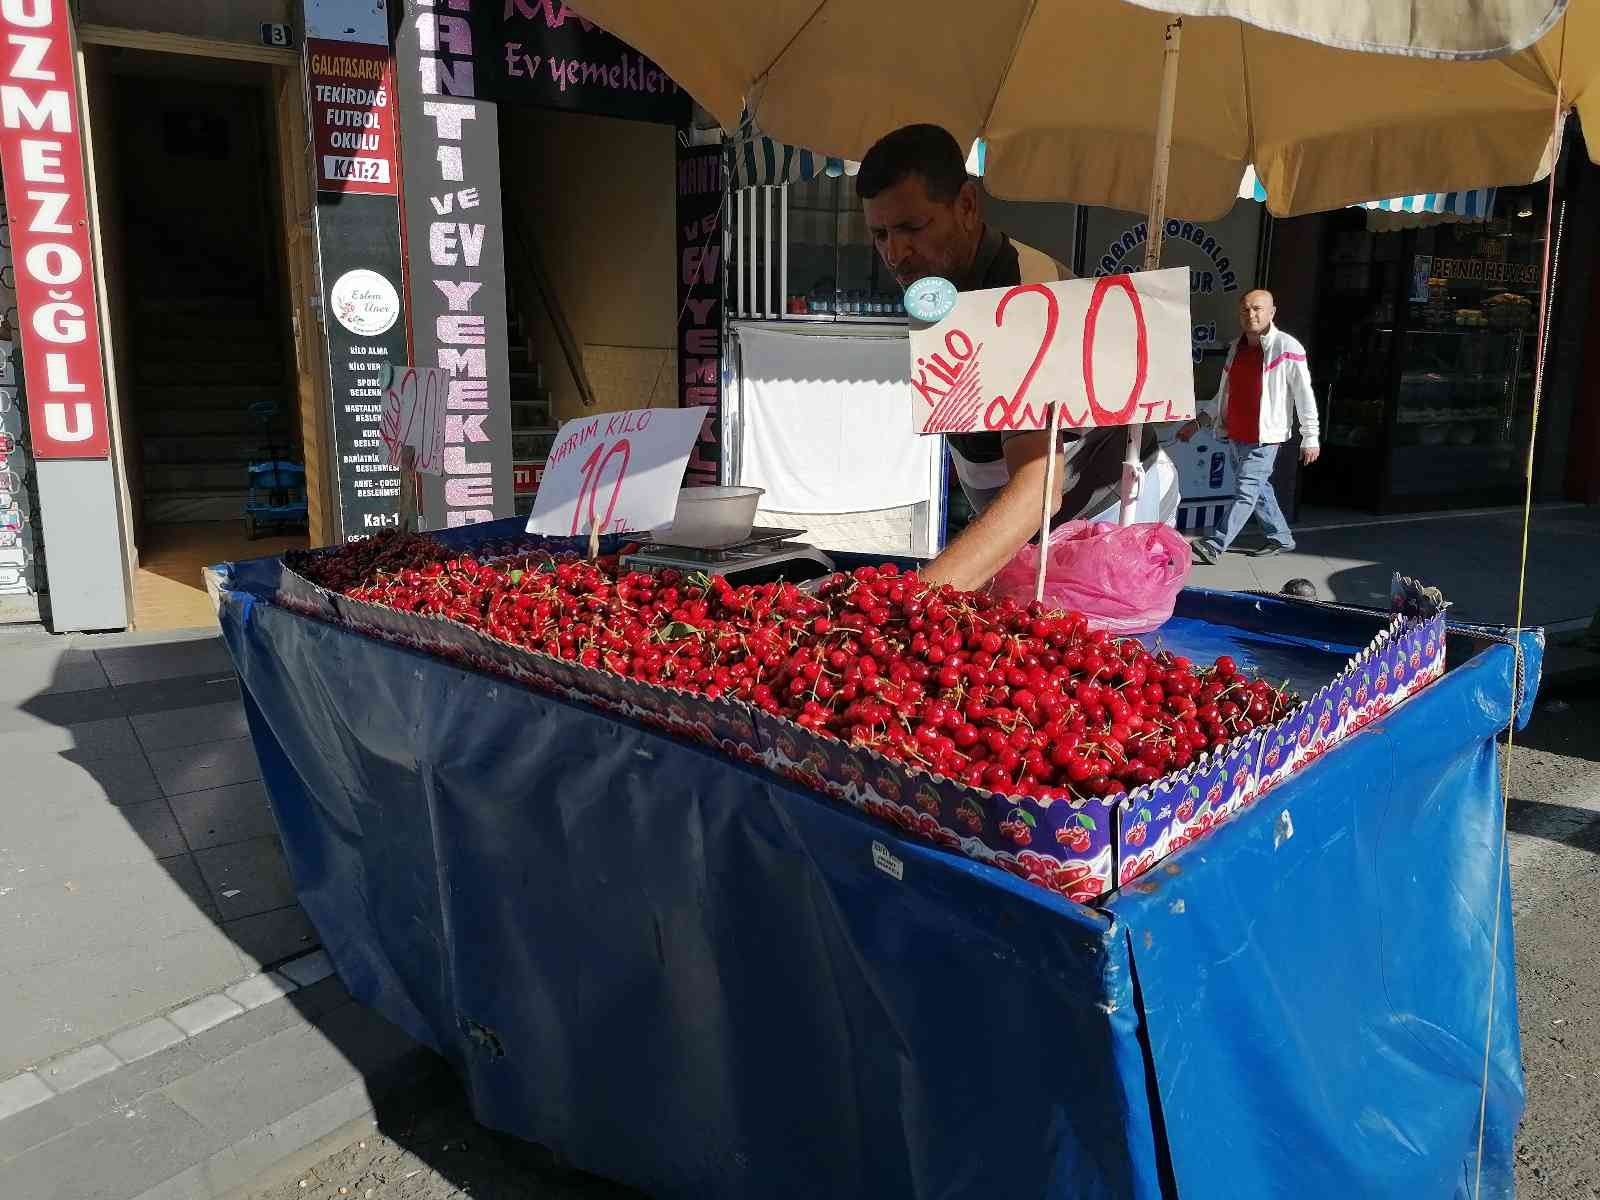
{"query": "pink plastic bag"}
(1124, 581)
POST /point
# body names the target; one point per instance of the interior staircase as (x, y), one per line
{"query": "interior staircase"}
(202, 367)
(533, 425)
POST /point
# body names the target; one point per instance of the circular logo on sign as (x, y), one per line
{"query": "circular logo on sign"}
(930, 299)
(364, 302)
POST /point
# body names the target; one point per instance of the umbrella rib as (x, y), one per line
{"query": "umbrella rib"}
(793, 38)
(1005, 75)
(1249, 100)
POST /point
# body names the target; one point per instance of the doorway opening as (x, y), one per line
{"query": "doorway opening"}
(190, 198)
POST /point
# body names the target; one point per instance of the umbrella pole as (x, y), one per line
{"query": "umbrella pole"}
(1132, 460)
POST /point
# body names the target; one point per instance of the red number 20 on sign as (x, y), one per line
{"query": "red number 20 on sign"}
(948, 363)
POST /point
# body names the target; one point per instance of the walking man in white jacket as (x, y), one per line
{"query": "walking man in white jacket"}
(1265, 387)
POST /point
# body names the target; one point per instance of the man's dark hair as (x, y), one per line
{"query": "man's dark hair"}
(1300, 589)
(926, 150)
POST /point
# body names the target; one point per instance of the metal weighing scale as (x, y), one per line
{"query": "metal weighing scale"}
(764, 556)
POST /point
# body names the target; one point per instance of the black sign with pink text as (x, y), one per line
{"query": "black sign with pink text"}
(700, 268)
(543, 53)
(455, 236)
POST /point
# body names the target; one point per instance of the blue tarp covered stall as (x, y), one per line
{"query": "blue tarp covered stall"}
(692, 976)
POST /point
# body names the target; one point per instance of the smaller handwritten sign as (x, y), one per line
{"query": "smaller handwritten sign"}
(617, 472)
(1111, 351)
(412, 415)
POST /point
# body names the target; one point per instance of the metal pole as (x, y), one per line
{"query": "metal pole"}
(766, 295)
(1132, 459)
(755, 231)
(738, 234)
(783, 248)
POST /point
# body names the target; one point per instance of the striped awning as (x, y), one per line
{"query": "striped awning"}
(1474, 205)
(760, 161)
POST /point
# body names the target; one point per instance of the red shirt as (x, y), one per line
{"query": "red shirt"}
(1244, 393)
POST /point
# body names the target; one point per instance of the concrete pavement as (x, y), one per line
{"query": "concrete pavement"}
(170, 1028)
(139, 866)
(1471, 557)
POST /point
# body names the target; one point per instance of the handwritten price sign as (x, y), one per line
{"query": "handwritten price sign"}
(616, 473)
(412, 414)
(1111, 351)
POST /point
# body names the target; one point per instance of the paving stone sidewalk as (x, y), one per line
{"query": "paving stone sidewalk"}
(152, 1051)
(200, 1102)
(1471, 557)
(139, 866)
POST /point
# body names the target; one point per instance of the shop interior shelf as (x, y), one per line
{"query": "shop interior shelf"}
(1436, 416)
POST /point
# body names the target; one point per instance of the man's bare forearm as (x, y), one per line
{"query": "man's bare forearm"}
(997, 533)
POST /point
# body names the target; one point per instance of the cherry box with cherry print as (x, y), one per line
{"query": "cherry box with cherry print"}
(1154, 821)
(1405, 656)
(1066, 847)
(298, 593)
(725, 724)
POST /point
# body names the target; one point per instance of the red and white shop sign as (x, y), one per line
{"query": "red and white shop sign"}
(352, 117)
(41, 155)
(525, 477)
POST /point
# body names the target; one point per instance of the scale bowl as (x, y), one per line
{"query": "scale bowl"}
(709, 518)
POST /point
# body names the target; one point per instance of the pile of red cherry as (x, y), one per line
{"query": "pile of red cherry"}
(963, 684)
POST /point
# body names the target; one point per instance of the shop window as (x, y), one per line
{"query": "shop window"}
(1426, 341)
(800, 251)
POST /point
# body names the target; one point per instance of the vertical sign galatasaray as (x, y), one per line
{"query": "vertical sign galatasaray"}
(41, 156)
(352, 117)
(349, 81)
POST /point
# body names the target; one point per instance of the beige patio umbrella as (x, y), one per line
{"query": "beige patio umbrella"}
(1334, 101)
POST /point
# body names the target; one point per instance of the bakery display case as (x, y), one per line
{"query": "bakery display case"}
(1425, 351)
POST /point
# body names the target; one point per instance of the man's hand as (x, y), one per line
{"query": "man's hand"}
(979, 551)
(1187, 431)
(1309, 455)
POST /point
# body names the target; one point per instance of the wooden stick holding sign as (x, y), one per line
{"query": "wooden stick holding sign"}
(411, 424)
(1044, 502)
(615, 473)
(1074, 354)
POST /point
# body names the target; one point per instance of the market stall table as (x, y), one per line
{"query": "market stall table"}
(688, 974)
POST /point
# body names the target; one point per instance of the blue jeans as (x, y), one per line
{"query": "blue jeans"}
(1252, 468)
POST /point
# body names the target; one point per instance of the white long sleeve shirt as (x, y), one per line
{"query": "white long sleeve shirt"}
(1285, 391)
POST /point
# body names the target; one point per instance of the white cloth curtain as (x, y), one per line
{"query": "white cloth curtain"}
(826, 423)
